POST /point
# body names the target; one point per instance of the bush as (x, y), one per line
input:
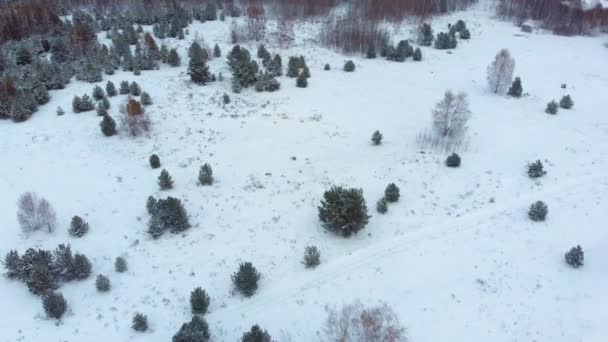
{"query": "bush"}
(154, 161)
(54, 305)
(551, 107)
(349, 66)
(165, 182)
(312, 256)
(453, 160)
(146, 100)
(246, 279)
(425, 35)
(173, 59)
(102, 283)
(536, 169)
(205, 175)
(108, 126)
(327, 67)
(101, 109)
(82, 267)
(391, 193)
(35, 213)
(124, 88)
(60, 111)
(302, 81)
(78, 227)
(197, 330)
(575, 257)
(134, 89)
(168, 214)
(382, 205)
(120, 265)
(343, 210)
(538, 211)
(417, 56)
(566, 102)
(256, 334)
(140, 322)
(226, 99)
(377, 138)
(516, 89)
(199, 301)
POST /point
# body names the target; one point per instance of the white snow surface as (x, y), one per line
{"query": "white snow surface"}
(456, 257)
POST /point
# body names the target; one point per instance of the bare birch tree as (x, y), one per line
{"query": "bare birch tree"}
(35, 213)
(500, 72)
(451, 114)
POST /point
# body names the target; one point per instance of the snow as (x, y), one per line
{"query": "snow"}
(456, 257)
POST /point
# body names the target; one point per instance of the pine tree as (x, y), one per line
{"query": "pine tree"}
(98, 93)
(120, 265)
(102, 283)
(538, 211)
(205, 175)
(86, 104)
(425, 35)
(82, 267)
(78, 227)
(216, 51)
(246, 279)
(197, 330)
(165, 182)
(515, 90)
(134, 89)
(168, 214)
(124, 88)
(391, 193)
(382, 205)
(566, 102)
(263, 53)
(371, 52)
(536, 169)
(110, 89)
(226, 99)
(256, 334)
(146, 100)
(377, 138)
(293, 67)
(197, 68)
(155, 226)
(327, 67)
(173, 59)
(417, 56)
(199, 301)
(302, 81)
(312, 256)
(140, 322)
(76, 104)
(108, 125)
(465, 34)
(551, 107)
(453, 160)
(575, 257)
(275, 66)
(101, 109)
(349, 66)
(60, 111)
(343, 210)
(105, 102)
(23, 56)
(154, 161)
(54, 305)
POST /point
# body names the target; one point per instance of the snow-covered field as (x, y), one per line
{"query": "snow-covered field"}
(456, 257)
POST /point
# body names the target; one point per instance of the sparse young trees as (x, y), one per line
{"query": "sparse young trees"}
(417, 56)
(343, 211)
(500, 72)
(199, 301)
(302, 81)
(246, 279)
(451, 114)
(34, 213)
(575, 257)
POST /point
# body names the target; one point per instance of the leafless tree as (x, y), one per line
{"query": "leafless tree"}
(35, 213)
(451, 114)
(500, 72)
(356, 323)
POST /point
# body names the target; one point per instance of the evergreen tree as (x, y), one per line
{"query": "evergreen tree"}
(382, 205)
(391, 193)
(293, 67)
(465, 34)
(197, 330)
(60, 111)
(243, 68)
(120, 265)
(425, 35)
(54, 305)
(246, 279)
(124, 87)
(216, 51)
(140, 322)
(226, 99)
(306, 71)
(110, 89)
(98, 93)
(263, 53)
(566, 102)
(302, 81)
(575, 257)
(105, 102)
(199, 301)
(85, 104)
(101, 109)
(134, 89)
(108, 126)
(349, 66)
(165, 182)
(23, 56)
(78, 227)
(453, 160)
(173, 59)
(377, 138)
(197, 68)
(371, 52)
(417, 55)
(76, 104)
(102, 283)
(312, 256)
(14, 266)
(256, 334)
(82, 267)
(538, 211)
(154, 161)
(205, 175)
(536, 169)
(515, 90)
(343, 210)
(168, 214)
(146, 100)
(275, 66)
(327, 67)
(551, 108)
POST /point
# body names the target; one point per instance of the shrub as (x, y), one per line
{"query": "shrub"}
(302, 81)
(246, 279)
(349, 66)
(391, 193)
(371, 52)
(124, 88)
(382, 205)
(551, 107)
(425, 35)
(108, 126)
(377, 138)
(165, 182)
(146, 100)
(256, 334)
(312, 256)
(226, 99)
(168, 214)
(102, 283)
(173, 58)
(343, 210)
(453, 160)
(154, 161)
(465, 34)
(197, 330)
(82, 267)
(60, 111)
(566, 102)
(78, 227)
(538, 211)
(35, 213)
(134, 89)
(515, 90)
(327, 67)
(54, 305)
(216, 51)
(575, 257)
(199, 301)
(205, 175)
(536, 169)
(120, 265)
(102, 110)
(140, 322)
(417, 56)
(197, 67)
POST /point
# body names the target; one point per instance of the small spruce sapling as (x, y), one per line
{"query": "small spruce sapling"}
(146, 100)
(536, 169)
(391, 193)
(538, 211)
(566, 102)
(371, 52)
(78, 227)
(327, 67)
(98, 93)
(60, 111)
(349, 66)
(108, 125)
(134, 89)
(102, 283)
(575, 257)
(124, 88)
(417, 56)
(140, 322)
(377, 138)
(256, 334)
(205, 175)
(165, 182)
(302, 81)
(226, 99)
(54, 305)
(120, 265)
(382, 206)
(246, 279)
(516, 89)
(154, 161)
(199, 301)
(453, 160)
(551, 107)
(312, 256)
(110, 89)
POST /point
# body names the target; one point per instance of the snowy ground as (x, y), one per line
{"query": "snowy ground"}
(455, 264)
